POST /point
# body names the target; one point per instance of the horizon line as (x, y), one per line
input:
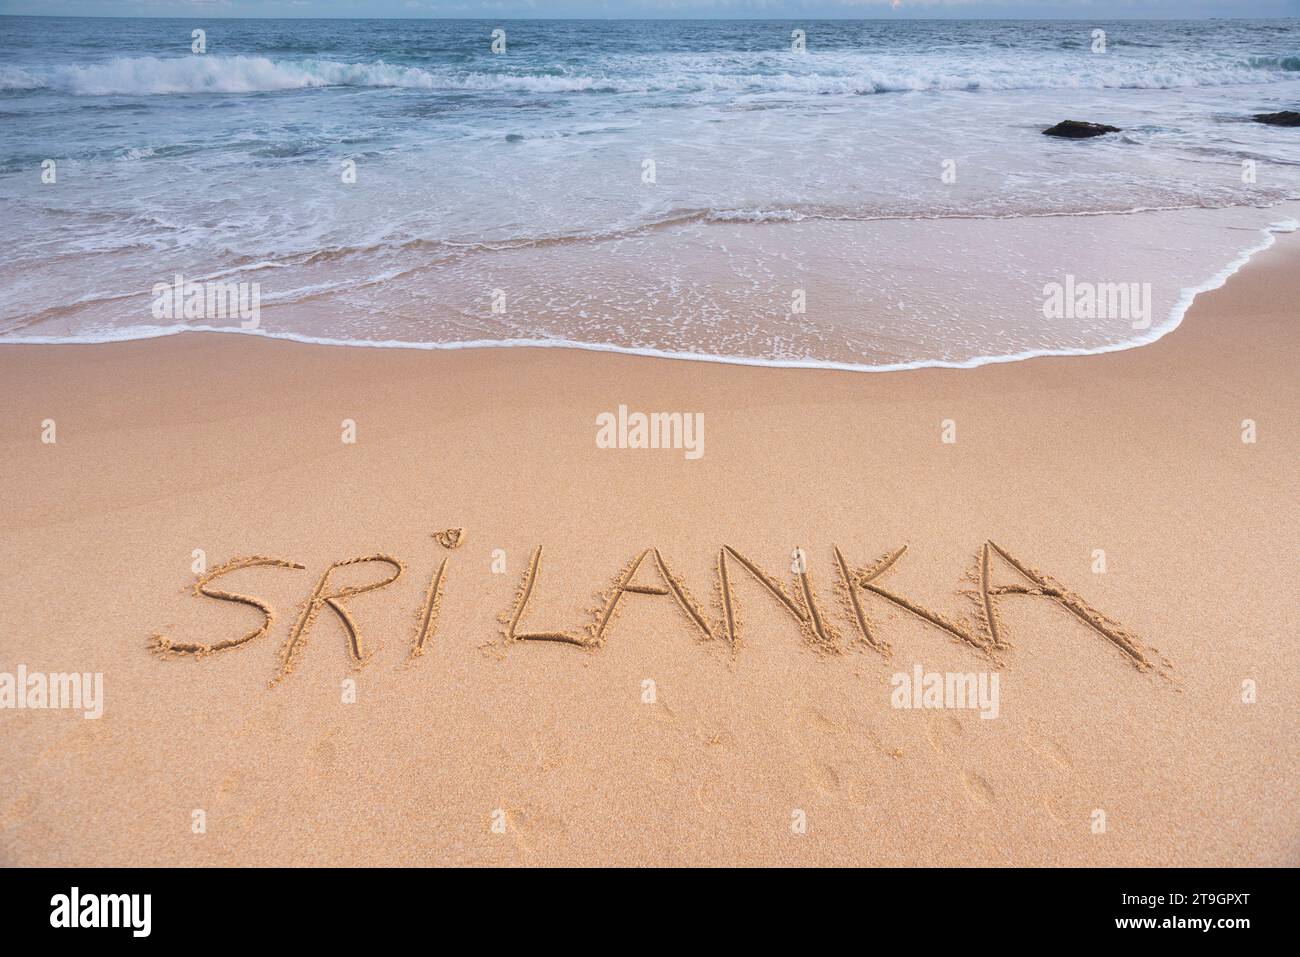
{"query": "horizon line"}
(714, 19)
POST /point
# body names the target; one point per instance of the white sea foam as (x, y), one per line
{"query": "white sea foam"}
(1158, 331)
(211, 73)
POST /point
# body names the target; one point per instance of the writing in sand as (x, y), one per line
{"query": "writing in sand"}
(648, 574)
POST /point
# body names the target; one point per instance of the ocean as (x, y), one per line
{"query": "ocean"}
(881, 198)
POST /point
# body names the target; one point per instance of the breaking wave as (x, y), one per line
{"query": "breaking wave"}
(154, 76)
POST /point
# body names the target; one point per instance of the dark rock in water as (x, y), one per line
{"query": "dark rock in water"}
(1285, 118)
(1075, 130)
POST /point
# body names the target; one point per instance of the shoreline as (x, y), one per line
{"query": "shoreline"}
(1185, 299)
(233, 447)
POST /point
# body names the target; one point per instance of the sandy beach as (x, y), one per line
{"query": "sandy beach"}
(662, 742)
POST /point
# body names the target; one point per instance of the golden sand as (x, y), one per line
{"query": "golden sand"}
(648, 726)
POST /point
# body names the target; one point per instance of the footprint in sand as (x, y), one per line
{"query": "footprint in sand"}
(1042, 741)
(532, 825)
(324, 755)
(979, 789)
(1058, 805)
(934, 737)
(1054, 810)
(660, 710)
(1061, 755)
(825, 777)
(876, 742)
(943, 732)
(819, 721)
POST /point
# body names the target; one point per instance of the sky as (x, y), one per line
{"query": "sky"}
(773, 9)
